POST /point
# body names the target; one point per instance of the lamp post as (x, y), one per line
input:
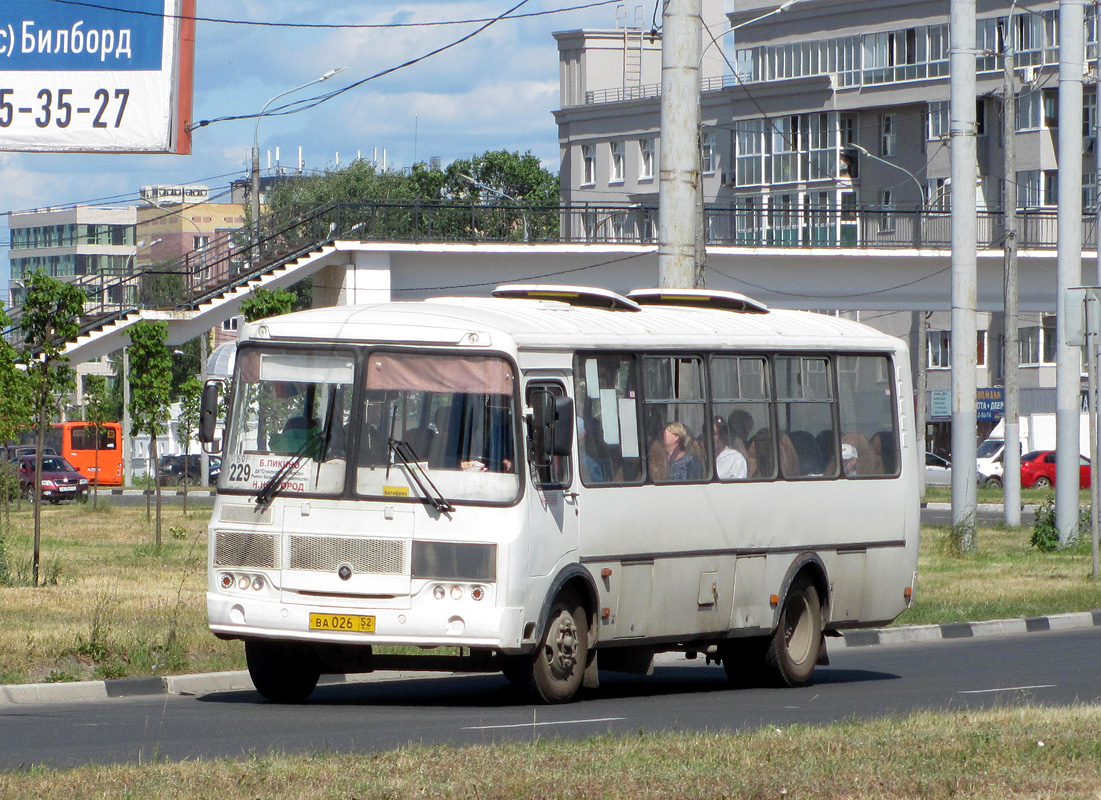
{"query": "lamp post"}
(256, 146)
(498, 192)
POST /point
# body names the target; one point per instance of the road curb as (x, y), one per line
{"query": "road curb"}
(211, 682)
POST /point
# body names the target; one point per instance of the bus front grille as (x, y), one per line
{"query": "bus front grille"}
(327, 553)
(246, 549)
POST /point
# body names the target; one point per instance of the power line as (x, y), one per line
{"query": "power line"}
(313, 102)
(329, 26)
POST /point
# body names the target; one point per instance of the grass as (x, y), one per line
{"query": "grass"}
(943, 494)
(118, 607)
(1029, 752)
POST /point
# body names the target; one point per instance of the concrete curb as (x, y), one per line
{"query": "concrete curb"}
(211, 682)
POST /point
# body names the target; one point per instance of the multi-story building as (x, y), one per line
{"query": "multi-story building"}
(828, 128)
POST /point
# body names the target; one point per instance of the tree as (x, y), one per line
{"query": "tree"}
(15, 411)
(188, 422)
(263, 303)
(500, 173)
(95, 410)
(51, 317)
(150, 391)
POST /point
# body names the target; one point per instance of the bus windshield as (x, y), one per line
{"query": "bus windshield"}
(290, 417)
(457, 416)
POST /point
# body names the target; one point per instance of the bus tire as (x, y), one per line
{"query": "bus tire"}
(557, 667)
(282, 672)
(795, 644)
(744, 660)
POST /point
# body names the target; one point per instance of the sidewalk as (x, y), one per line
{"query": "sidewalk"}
(208, 683)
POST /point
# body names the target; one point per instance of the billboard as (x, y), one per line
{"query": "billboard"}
(111, 76)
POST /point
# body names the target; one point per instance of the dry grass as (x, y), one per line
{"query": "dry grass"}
(1006, 578)
(1010, 753)
(116, 606)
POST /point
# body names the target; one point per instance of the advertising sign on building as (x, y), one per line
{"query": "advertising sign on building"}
(96, 77)
(990, 403)
(940, 406)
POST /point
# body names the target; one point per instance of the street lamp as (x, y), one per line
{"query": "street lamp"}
(523, 211)
(913, 177)
(256, 145)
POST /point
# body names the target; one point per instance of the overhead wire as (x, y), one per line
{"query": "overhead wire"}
(328, 25)
(308, 103)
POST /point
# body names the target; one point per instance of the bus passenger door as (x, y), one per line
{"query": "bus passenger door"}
(552, 512)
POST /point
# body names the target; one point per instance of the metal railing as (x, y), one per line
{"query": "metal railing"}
(243, 255)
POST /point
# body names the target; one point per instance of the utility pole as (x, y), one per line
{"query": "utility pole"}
(680, 151)
(1011, 454)
(127, 434)
(962, 134)
(1068, 358)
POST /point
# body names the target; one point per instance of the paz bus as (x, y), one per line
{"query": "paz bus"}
(76, 443)
(558, 480)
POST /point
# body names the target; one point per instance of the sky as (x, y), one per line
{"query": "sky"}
(494, 91)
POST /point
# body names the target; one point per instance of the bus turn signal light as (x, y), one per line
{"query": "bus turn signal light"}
(774, 600)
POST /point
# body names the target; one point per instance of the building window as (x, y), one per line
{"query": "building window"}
(980, 349)
(1051, 188)
(1089, 191)
(1050, 98)
(887, 215)
(588, 157)
(939, 120)
(749, 166)
(937, 195)
(939, 349)
(1028, 111)
(707, 154)
(821, 138)
(1028, 345)
(888, 135)
(616, 175)
(1028, 188)
(200, 242)
(785, 150)
(645, 159)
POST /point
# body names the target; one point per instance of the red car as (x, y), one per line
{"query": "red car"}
(1038, 470)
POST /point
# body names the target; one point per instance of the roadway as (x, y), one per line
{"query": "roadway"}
(1052, 668)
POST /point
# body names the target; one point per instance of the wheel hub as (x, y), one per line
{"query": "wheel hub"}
(562, 646)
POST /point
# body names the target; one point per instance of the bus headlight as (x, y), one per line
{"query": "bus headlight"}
(257, 583)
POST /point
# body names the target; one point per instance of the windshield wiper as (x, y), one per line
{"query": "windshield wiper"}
(270, 488)
(406, 455)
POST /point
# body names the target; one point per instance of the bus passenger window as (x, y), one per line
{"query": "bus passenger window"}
(607, 409)
(741, 392)
(866, 399)
(678, 433)
(805, 417)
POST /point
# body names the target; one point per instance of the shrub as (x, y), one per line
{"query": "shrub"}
(1045, 534)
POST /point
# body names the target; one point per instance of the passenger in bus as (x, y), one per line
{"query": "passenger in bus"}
(730, 464)
(883, 445)
(789, 457)
(591, 469)
(740, 425)
(681, 465)
(296, 432)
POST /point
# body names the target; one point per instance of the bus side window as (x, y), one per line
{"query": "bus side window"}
(869, 442)
(557, 474)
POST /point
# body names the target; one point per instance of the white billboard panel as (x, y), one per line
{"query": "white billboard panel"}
(113, 77)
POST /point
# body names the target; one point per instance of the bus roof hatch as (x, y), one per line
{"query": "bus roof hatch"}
(701, 298)
(589, 296)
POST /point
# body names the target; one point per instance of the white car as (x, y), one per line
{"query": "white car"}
(938, 471)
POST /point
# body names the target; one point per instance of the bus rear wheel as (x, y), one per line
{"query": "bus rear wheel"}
(794, 647)
(554, 672)
(282, 672)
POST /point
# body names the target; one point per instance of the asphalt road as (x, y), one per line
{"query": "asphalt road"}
(943, 516)
(1053, 668)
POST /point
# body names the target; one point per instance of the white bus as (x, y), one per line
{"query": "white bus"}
(558, 480)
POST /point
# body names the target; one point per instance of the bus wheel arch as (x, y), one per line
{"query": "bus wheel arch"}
(796, 643)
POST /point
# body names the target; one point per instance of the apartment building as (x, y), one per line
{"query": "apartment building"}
(826, 126)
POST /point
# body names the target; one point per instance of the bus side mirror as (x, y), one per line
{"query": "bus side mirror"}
(551, 426)
(208, 412)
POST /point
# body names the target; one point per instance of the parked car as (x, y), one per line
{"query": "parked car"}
(60, 480)
(171, 470)
(14, 452)
(938, 471)
(1038, 470)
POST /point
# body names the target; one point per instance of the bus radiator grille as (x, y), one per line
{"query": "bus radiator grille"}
(327, 553)
(244, 549)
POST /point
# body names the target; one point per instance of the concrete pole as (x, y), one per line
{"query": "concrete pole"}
(1068, 358)
(1011, 456)
(964, 270)
(919, 333)
(680, 124)
(127, 434)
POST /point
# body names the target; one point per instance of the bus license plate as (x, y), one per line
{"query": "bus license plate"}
(354, 623)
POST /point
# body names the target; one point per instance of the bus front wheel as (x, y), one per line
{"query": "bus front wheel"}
(553, 673)
(795, 645)
(282, 672)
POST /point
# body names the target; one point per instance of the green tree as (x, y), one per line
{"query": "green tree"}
(162, 285)
(95, 411)
(263, 303)
(499, 173)
(15, 416)
(187, 424)
(150, 392)
(51, 317)
(360, 180)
